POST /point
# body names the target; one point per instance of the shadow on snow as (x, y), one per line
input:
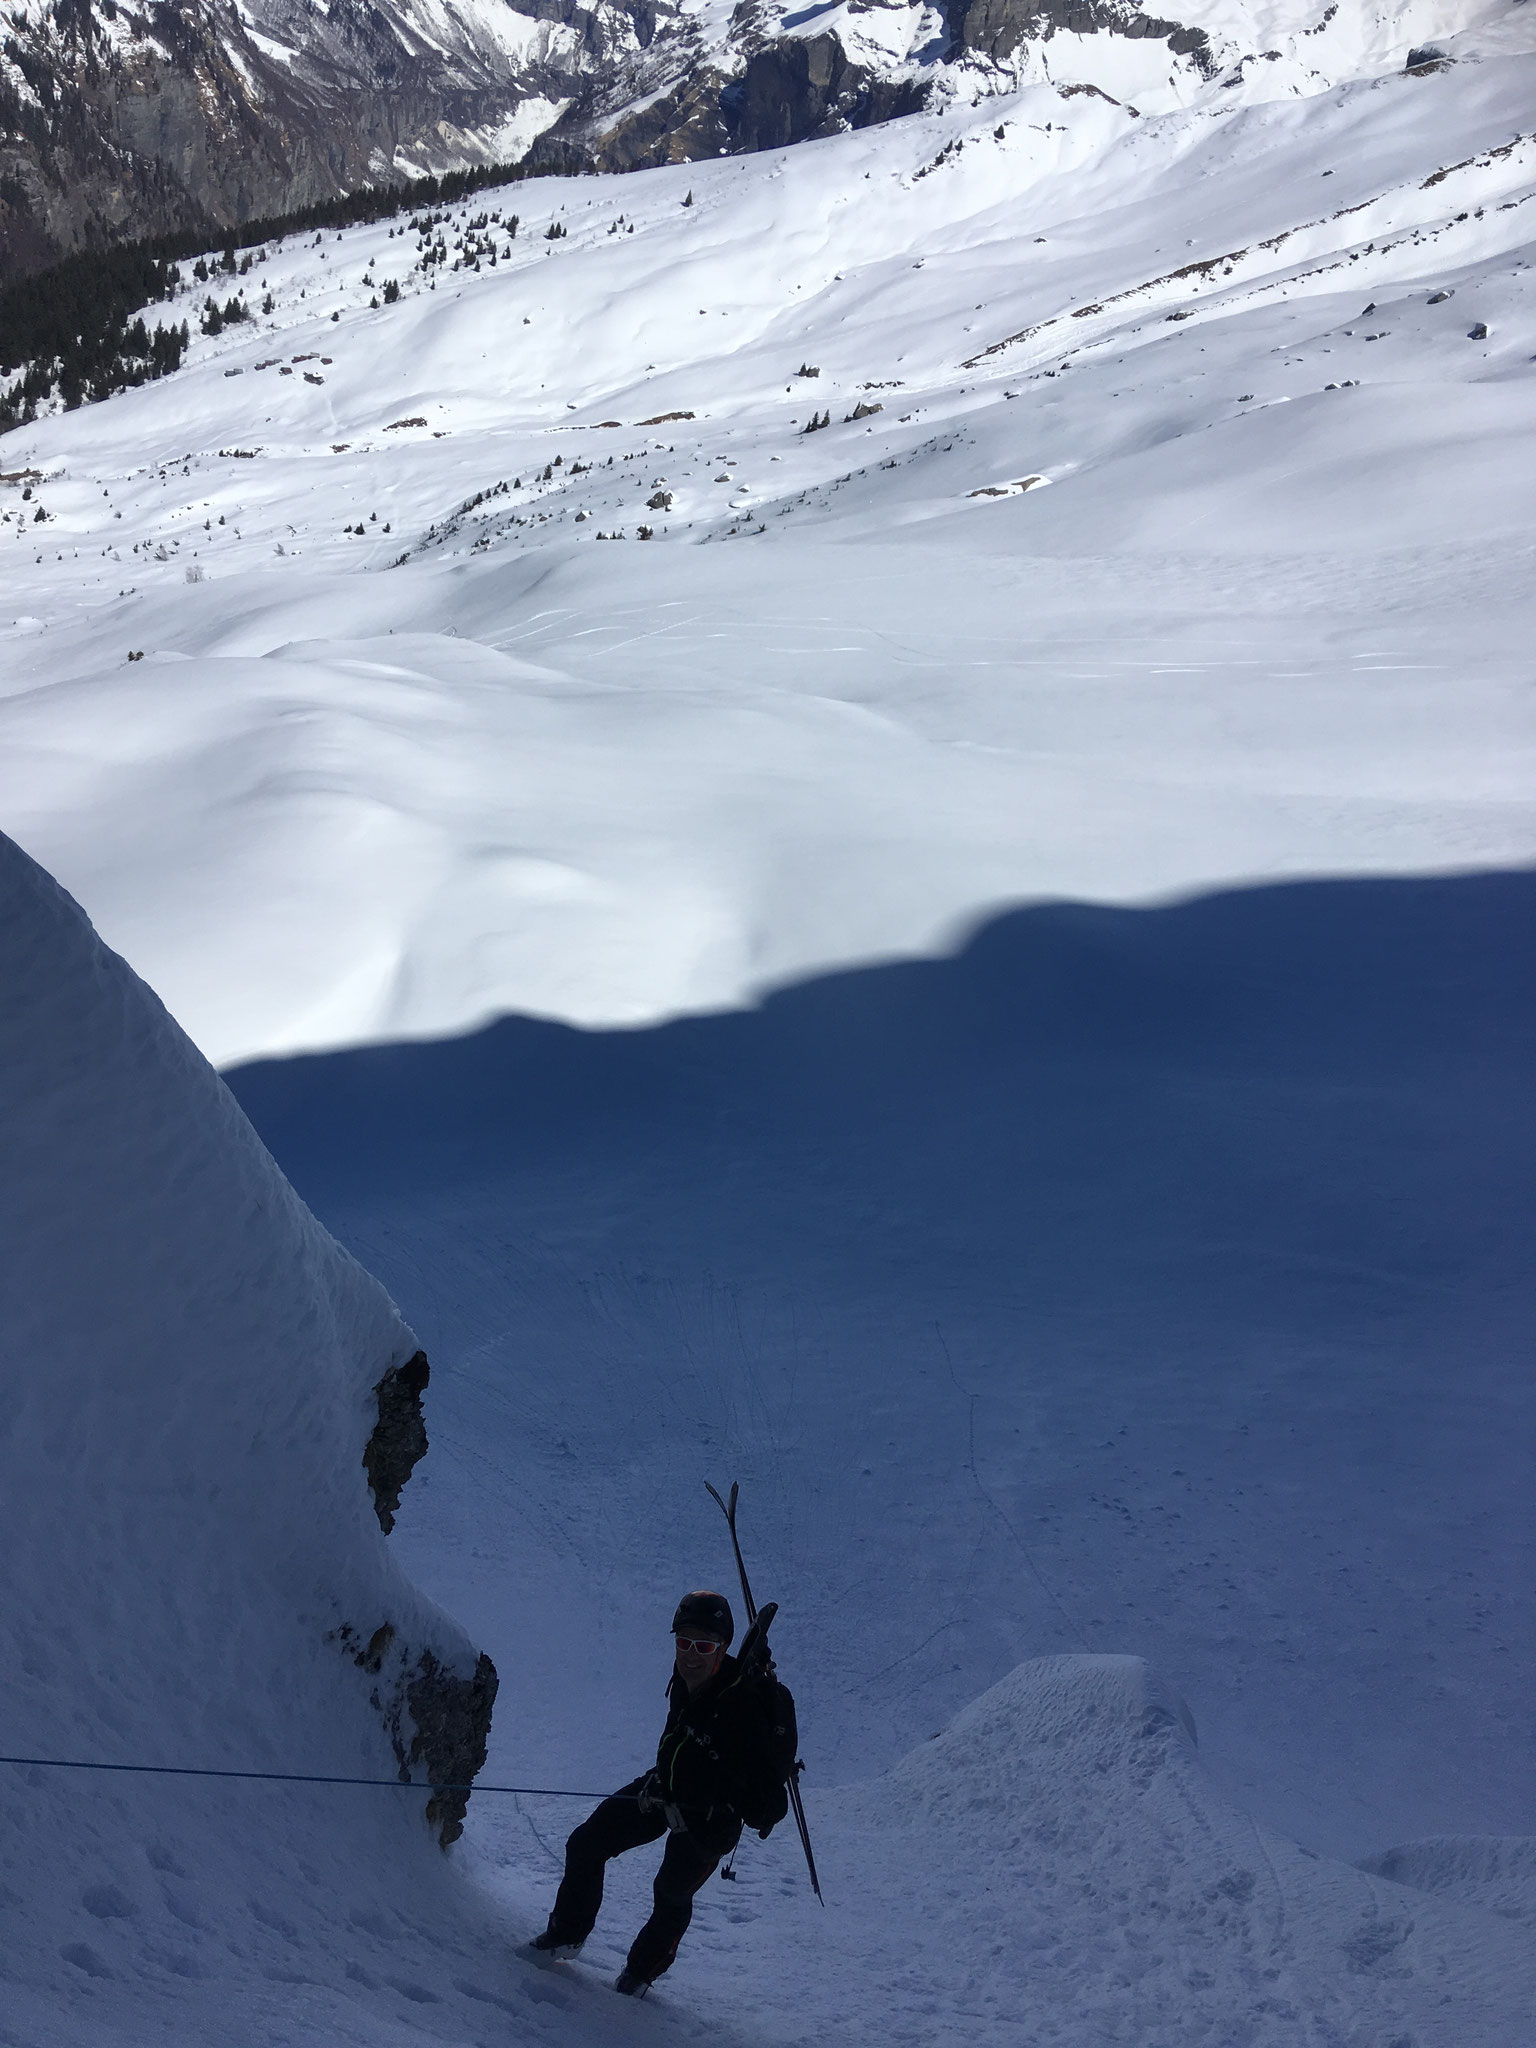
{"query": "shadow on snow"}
(1144, 1280)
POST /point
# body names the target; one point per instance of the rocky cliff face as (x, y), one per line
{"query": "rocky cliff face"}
(125, 117)
(120, 120)
(997, 29)
(774, 74)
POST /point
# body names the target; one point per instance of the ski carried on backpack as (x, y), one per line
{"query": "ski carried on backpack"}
(754, 1655)
(755, 1646)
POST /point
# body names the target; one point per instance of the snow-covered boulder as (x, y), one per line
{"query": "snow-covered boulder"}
(195, 1569)
(1059, 1856)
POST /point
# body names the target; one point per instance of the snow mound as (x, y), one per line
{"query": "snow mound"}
(195, 1573)
(1060, 1852)
(1494, 1871)
(1054, 1722)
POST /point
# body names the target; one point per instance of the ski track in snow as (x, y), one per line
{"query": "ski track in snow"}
(1147, 1276)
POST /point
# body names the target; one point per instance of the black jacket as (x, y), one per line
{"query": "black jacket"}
(718, 1744)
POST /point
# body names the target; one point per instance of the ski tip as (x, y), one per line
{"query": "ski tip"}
(726, 1507)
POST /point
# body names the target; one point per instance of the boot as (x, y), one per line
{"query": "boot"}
(553, 1943)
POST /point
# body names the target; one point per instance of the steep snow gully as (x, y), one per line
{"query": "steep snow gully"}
(1000, 1017)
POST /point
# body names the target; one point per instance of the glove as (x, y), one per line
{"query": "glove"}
(648, 1798)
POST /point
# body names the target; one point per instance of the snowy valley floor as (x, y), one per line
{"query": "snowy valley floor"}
(999, 1017)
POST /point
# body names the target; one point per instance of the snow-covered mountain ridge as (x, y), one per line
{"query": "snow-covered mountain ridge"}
(119, 119)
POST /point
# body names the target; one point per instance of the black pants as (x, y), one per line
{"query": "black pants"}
(617, 1826)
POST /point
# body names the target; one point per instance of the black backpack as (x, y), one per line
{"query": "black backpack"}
(764, 1801)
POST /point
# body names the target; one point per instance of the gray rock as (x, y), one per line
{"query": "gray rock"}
(179, 118)
(434, 1716)
(398, 1438)
(997, 28)
(453, 1724)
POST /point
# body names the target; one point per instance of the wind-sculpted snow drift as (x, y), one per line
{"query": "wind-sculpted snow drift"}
(1061, 1843)
(195, 1574)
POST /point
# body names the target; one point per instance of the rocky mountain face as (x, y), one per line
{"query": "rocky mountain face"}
(120, 118)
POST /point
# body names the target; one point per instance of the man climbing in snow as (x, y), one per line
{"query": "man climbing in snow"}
(723, 1761)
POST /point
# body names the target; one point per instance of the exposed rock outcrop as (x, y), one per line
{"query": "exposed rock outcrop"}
(398, 1438)
(778, 77)
(678, 125)
(123, 120)
(435, 1716)
(453, 1721)
(996, 29)
(801, 87)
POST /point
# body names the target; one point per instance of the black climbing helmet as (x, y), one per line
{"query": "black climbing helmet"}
(704, 1614)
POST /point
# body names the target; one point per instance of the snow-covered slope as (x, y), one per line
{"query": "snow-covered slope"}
(1056, 1867)
(1146, 1274)
(425, 741)
(1135, 1279)
(194, 1573)
(191, 1555)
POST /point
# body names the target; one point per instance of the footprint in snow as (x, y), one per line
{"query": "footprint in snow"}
(548, 1994)
(106, 1902)
(85, 1958)
(417, 1993)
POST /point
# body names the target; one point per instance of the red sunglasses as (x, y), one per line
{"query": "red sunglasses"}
(705, 1648)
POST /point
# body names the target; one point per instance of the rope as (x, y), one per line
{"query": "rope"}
(56, 1763)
